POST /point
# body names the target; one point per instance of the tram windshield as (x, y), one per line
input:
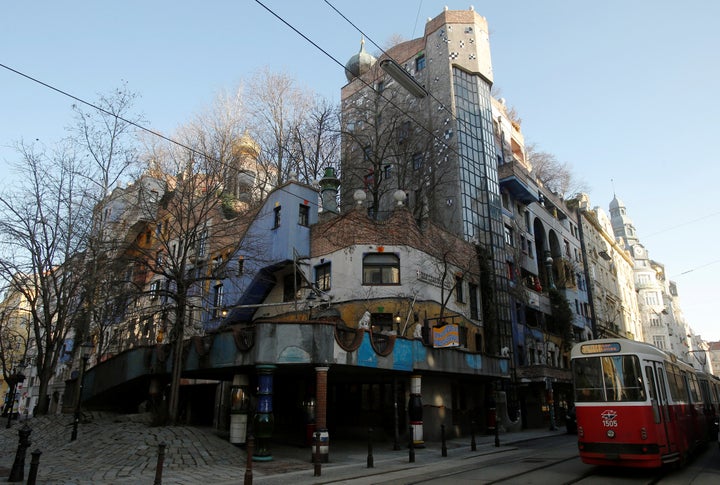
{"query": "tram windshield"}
(613, 378)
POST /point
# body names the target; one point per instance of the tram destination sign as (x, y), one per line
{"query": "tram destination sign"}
(600, 348)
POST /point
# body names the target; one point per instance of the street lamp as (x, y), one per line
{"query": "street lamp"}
(13, 380)
(85, 349)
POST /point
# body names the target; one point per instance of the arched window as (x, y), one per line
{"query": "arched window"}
(381, 269)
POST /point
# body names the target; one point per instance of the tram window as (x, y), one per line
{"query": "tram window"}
(616, 378)
(693, 385)
(653, 392)
(587, 375)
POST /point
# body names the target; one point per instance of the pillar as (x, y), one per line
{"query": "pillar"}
(415, 411)
(321, 375)
(264, 422)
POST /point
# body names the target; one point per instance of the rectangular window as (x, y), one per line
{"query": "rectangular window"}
(241, 265)
(367, 153)
(509, 237)
(616, 378)
(304, 215)
(381, 269)
(659, 342)
(202, 243)
(322, 277)
(218, 300)
(155, 290)
(474, 304)
(420, 62)
(417, 161)
(459, 296)
(276, 217)
(387, 171)
(403, 131)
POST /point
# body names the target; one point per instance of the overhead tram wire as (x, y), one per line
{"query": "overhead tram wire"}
(384, 52)
(391, 102)
(130, 122)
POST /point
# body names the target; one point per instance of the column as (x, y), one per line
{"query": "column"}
(321, 375)
(264, 422)
(415, 411)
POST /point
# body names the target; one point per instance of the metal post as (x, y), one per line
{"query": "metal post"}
(18, 469)
(34, 463)
(76, 418)
(317, 466)
(249, 463)
(497, 434)
(160, 464)
(396, 422)
(473, 445)
(370, 461)
(411, 446)
(443, 449)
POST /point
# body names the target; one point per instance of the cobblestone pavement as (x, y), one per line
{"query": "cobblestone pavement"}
(123, 449)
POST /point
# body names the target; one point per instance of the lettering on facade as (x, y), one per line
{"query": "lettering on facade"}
(432, 280)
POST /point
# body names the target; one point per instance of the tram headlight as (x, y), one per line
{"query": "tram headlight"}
(610, 433)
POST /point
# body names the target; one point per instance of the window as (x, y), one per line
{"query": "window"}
(202, 243)
(387, 171)
(322, 277)
(509, 237)
(241, 265)
(659, 342)
(276, 217)
(616, 378)
(304, 215)
(474, 306)
(367, 153)
(380, 87)
(459, 296)
(417, 161)
(218, 294)
(403, 131)
(420, 62)
(381, 269)
(155, 290)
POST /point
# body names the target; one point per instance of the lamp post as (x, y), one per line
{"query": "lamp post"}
(85, 348)
(14, 379)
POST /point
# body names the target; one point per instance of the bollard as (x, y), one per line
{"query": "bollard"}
(318, 467)
(473, 445)
(249, 463)
(443, 449)
(34, 463)
(159, 465)
(411, 447)
(17, 474)
(370, 462)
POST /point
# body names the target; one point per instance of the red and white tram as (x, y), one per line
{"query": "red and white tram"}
(638, 406)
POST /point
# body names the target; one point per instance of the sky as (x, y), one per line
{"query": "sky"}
(625, 92)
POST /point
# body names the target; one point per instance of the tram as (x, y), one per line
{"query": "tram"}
(639, 406)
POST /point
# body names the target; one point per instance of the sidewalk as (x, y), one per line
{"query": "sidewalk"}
(122, 449)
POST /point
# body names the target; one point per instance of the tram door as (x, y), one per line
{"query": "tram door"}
(665, 428)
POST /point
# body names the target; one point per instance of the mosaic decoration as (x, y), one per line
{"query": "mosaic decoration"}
(454, 55)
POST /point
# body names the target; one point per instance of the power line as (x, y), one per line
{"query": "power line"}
(330, 56)
(130, 122)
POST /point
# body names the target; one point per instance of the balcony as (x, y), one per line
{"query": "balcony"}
(515, 179)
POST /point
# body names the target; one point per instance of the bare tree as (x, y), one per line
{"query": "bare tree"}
(277, 107)
(557, 176)
(389, 145)
(108, 137)
(315, 141)
(44, 220)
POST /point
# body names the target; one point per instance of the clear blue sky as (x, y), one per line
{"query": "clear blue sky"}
(622, 90)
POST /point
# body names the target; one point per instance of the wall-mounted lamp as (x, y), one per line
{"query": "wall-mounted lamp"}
(403, 78)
